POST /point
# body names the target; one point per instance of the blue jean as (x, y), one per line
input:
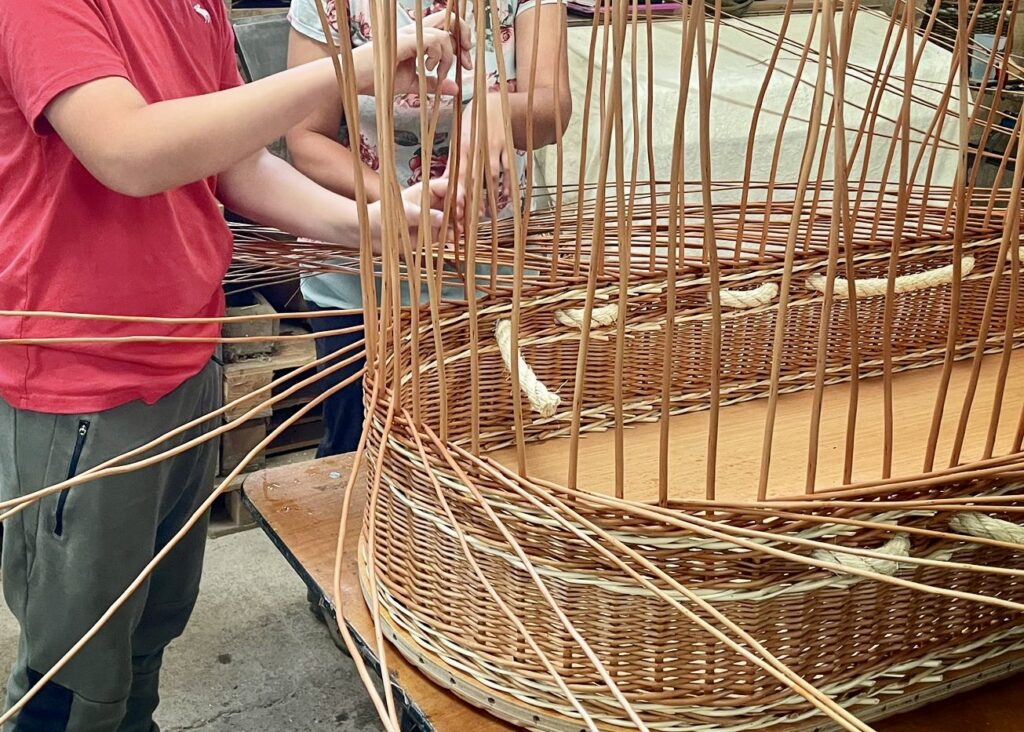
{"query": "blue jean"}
(343, 410)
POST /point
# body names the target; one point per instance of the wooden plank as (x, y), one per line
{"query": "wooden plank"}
(245, 377)
(300, 505)
(742, 430)
(240, 380)
(237, 443)
(263, 329)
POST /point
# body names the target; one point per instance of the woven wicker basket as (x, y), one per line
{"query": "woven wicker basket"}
(588, 507)
(860, 641)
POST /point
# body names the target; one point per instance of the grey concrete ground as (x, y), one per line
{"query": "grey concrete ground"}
(253, 658)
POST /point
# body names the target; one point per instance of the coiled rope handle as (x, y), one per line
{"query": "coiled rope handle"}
(986, 527)
(746, 299)
(898, 546)
(876, 286)
(573, 317)
(541, 399)
(609, 314)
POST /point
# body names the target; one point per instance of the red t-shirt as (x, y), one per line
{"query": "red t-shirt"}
(68, 243)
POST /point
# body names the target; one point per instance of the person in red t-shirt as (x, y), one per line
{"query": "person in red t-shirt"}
(124, 122)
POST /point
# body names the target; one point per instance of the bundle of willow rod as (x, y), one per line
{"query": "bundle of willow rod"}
(686, 602)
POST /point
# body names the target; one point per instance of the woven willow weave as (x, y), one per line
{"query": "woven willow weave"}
(726, 431)
(567, 525)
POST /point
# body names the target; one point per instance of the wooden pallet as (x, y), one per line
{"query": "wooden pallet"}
(243, 378)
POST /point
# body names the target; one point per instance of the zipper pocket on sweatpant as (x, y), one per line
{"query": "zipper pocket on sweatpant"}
(76, 455)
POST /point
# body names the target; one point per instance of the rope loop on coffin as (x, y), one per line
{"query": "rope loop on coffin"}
(898, 546)
(605, 315)
(542, 400)
(599, 316)
(745, 299)
(877, 286)
(986, 527)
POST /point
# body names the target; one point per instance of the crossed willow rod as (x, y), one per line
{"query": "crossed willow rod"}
(376, 486)
(113, 466)
(391, 717)
(225, 320)
(778, 670)
(760, 657)
(175, 540)
(104, 470)
(608, 538)
(718, 530)
(809, 51)
(715, 530)
(273, 260)
(990, 60)
(546, 500)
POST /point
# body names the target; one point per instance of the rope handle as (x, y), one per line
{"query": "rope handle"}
(898, 546)
(745, 299)
(609, 314)
(541, 399)
(603, 315)
(986, 527)
(876, 286)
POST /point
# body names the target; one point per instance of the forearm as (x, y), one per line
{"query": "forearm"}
(266, 189)
(542, 114)
(221, 129)
(331, 164)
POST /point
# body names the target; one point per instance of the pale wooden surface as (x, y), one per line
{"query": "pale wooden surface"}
(742, 430)
(301, 505)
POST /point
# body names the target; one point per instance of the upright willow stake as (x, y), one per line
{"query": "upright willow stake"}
(810, 148)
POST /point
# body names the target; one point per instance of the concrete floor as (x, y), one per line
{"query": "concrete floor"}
(254, 657)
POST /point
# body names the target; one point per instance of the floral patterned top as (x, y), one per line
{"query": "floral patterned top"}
(339, 291)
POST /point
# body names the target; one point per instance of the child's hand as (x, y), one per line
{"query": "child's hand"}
(498, 170)
(412, 197)
(444, 43)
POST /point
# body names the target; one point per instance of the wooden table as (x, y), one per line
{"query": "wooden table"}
(299, 507)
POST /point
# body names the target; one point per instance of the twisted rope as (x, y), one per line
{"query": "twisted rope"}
(877, 286)
(986, 527)
(573, 317)
(541, 399)
(898, 546)
(746, 299)
(609, 314)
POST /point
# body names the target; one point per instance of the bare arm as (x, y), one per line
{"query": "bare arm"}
(551, 90)
(265, 188)
(141, 149)
(552, 100)
(313, 142)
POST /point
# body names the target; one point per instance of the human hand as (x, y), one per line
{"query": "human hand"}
(412, 199)
(439, 193)
(497, 170)
(445, 43)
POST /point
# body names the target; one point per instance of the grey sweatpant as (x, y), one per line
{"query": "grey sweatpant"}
(67, 557)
